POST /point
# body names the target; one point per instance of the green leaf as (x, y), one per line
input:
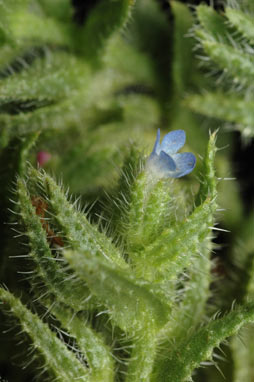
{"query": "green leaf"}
(117, 208)
(243, 22)
(194, 259)
(50, 271)
(140, 193)
(54, 117)
(74, 225)
(174, 249)
(28, 27)
(225, 107)
(12, 163)
(59, 360)
(174, 246)
(151, 206)
(209, 182)
(90, 343)
(183, 64)
(7, 7)
(104, 19)
(193, 305)
(52, 77)
(124, 58)
(186, 357)
(131, 303)
(235, 61)
(224, 39)
(214, 27)
(142, 358)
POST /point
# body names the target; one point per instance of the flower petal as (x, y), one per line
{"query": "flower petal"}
(161, 166)
(156, 148)
(166, 162)
(185, 163)
(173, 141)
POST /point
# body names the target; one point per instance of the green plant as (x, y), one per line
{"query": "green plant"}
(227, 45)
(126, 290)
(143, 296)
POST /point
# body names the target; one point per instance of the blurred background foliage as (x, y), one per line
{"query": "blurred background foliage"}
(82, 85)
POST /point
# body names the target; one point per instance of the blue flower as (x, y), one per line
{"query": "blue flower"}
(165, 162)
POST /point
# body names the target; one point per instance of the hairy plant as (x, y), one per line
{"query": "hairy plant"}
(151, 291)
(226, 40)
(131, 288)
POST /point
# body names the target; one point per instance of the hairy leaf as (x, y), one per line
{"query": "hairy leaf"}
(188, 356)
(60, 361)
(130, 302)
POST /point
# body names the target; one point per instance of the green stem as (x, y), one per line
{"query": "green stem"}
(142, 358)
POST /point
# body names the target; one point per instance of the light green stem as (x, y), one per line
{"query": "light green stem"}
(142, 358)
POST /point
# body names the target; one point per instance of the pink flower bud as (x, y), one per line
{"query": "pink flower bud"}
(42, 158)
